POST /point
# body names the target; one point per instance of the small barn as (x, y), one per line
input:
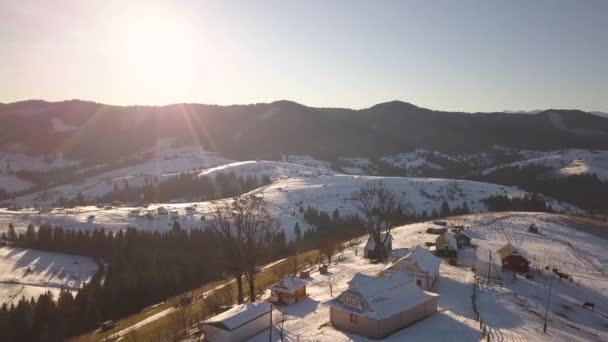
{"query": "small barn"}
(512, 259)
(288, 291)
(239, 323)
(370, 246)
(446, 246)
(419, 264)
(533, 229)
(375, 307)
(462, 240)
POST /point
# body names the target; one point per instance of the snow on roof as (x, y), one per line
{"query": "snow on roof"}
(386, 296)
(506, 250)
(239, 315)
(451, 241)
(288, 284)
(423, 258)
(371, 244)
(400, 252)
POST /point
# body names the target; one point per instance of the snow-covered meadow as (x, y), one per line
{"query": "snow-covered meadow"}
(29, 273)
(513, 312)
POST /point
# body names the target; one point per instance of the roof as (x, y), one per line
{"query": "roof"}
(371, 244)
(288, 284)
(239, 315)
(450, 240)
(400, 252)
(386, 296)
(421, 257)
(507, 249)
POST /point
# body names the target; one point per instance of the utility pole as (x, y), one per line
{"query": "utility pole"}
(270, 330)
(547, 307)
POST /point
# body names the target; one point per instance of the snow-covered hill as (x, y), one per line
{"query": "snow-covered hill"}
(564, 162)
(285, 199)
(152, 170)
(513, 312)
(264, 168)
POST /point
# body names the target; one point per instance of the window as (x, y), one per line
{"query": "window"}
(353, 318)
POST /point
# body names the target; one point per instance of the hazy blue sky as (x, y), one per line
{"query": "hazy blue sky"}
(454, 55)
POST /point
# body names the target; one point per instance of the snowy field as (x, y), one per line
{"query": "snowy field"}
(512, 313)
(565, 162)
(284, 199)
(29, 273)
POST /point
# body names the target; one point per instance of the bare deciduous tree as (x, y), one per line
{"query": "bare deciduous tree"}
(244, 227)
(380, 210)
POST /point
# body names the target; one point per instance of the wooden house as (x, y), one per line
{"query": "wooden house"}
(370, 247)
(375, 307)
(239, 323)
(513, 260)
(288, 291)
(446, 246)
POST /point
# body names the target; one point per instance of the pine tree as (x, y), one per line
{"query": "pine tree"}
(298, 231)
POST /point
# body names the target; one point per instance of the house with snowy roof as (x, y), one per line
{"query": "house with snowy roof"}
(288, 290)
(512, 259)
(375, 307)
(370, 247)
(239, 323)
(419, 264)
(446, 246)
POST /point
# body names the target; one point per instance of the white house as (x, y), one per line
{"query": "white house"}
(239, 323)
(421, 265)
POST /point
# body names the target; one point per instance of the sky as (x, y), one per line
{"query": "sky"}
(460, 55)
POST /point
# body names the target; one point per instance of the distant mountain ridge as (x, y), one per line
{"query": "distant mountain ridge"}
(97, 131)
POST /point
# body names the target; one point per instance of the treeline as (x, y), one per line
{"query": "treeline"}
(185, 185)
(585, 191)
(143, 268)
(530, 202)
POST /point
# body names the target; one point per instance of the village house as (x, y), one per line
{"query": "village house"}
(370, 247)
(420, 265)
(512, 260)
(375, 307)
(446, 246)
(239, 323)
(288, 291)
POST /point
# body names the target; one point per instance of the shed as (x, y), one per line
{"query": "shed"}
(370, 246)
(288, 291)
(239, 323)
(376, 307)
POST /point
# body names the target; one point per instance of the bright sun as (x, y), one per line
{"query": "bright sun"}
(159, 50)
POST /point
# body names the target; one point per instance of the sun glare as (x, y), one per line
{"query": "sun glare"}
(159, 50)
